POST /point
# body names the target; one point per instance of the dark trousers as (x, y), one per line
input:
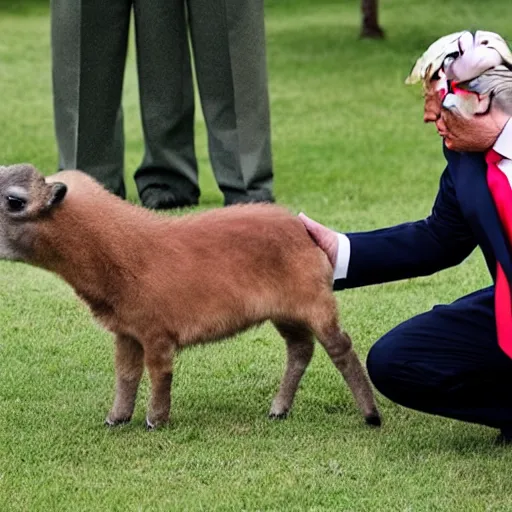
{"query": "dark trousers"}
(448, 362)
(89, 45)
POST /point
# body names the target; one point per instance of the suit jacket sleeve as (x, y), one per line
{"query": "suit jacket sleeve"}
(414, 249)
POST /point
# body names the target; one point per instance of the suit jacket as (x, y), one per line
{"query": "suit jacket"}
(463, 217)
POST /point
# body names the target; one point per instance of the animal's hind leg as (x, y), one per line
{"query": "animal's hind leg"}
(299, 343)
(129, 368)
(339, 347)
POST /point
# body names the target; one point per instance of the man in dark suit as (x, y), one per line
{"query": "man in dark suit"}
(89, 45)
(455, 360)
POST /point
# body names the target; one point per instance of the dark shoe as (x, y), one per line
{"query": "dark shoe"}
(255, 197)
(161, 197)
(504, 437)
(121, 192)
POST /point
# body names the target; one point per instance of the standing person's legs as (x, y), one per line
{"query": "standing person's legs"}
(167, 177)
(228, 39)
(448, 362)
(89, 44)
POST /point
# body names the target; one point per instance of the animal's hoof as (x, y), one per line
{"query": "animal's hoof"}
(278, 416)
(155, 424)
(149, 425)
(113, 423)
(373, 419)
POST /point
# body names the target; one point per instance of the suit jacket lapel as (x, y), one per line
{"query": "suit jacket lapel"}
(475, 170)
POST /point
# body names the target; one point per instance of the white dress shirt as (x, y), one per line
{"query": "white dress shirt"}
(503, 146)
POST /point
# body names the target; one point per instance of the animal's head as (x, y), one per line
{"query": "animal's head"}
(467, 79)
(25, 198)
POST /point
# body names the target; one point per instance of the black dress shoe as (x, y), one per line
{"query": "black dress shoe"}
(257, 197)
(161, 197)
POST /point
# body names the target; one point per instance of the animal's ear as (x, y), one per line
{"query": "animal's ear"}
(484, 104)
(57, 192)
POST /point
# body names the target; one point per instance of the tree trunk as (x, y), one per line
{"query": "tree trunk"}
(370, 26)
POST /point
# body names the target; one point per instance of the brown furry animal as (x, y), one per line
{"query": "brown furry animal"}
(160, 284)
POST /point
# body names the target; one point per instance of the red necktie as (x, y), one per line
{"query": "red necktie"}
(502, 195)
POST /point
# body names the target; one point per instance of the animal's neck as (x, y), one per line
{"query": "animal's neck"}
(87, 247)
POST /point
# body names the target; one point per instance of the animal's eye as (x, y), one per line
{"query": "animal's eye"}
(15, 204)
(436, 76)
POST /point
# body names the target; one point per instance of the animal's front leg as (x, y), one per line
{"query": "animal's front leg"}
(159, 362)
(129, 368)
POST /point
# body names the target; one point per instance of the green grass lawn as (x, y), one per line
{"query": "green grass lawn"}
(350, 150)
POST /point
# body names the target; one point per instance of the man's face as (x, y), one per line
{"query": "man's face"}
(460, 133)
(433, 100)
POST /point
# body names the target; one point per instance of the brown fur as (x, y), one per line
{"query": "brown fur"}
(161, 283)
